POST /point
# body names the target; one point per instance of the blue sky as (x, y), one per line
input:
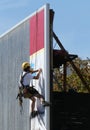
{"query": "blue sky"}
(71, 20)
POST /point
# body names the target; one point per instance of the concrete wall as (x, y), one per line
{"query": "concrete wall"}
(14, 49)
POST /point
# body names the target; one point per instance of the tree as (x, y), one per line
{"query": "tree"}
(72, 80)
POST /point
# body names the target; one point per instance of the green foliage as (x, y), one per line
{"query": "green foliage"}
(72, 80)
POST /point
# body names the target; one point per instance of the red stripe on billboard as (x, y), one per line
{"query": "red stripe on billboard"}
(37, 32)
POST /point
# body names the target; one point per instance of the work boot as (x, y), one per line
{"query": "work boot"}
(46, 104)
(34, 113)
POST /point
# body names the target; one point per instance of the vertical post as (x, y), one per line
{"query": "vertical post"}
(51, 62)
(64, 76)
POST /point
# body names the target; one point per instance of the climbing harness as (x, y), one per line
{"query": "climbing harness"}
(20, 92)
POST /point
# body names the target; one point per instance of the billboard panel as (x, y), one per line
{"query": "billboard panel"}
(39, 58)
(14, 49)
(33, 33)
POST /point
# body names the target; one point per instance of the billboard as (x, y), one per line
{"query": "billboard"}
(26, 41)
(40, 58)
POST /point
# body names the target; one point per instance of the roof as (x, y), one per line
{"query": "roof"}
(61, 57)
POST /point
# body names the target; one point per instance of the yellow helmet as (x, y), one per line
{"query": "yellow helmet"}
(25, 65)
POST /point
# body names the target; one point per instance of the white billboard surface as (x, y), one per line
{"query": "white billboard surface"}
(40, 58)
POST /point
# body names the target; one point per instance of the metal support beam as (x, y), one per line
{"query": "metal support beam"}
(51, 16)
(71, 62)
(64, 76)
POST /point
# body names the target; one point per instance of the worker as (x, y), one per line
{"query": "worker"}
(28, 90)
